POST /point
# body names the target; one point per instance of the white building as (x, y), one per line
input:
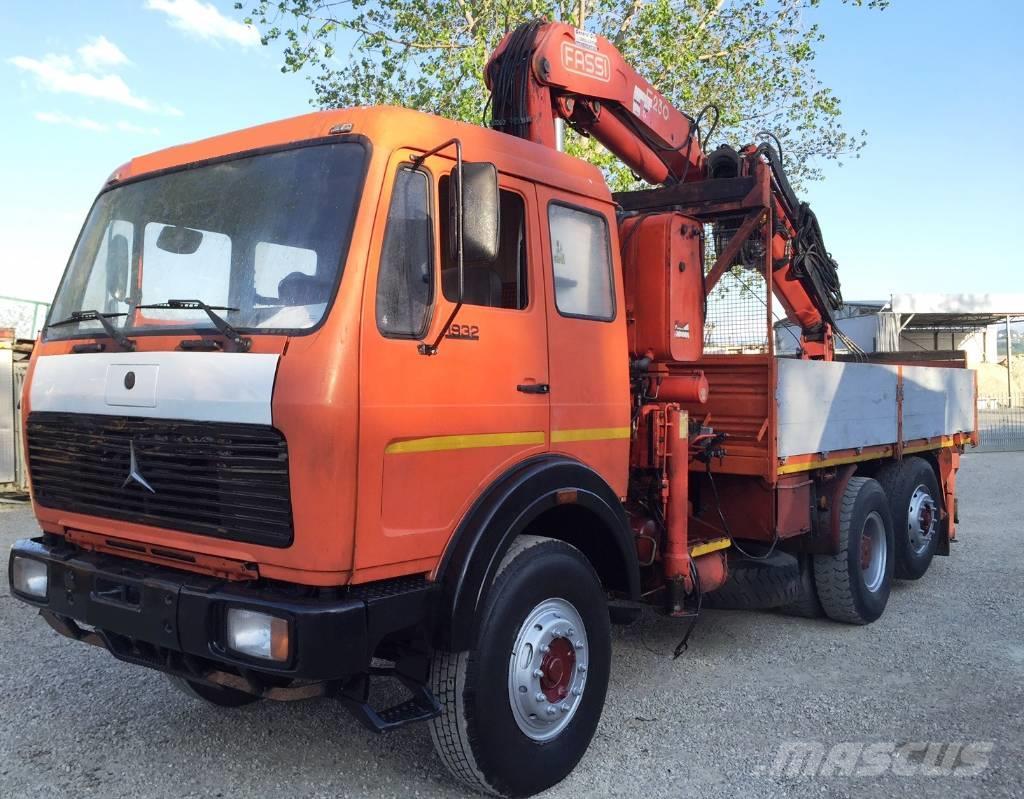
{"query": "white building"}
(924, 323)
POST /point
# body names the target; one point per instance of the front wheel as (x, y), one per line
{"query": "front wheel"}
(212, 694)
(520, 708)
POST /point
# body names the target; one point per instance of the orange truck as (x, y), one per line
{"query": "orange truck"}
(370, 394)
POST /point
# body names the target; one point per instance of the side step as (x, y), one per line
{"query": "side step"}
(421, 706)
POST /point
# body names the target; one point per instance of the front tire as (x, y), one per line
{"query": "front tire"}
(853, 585)
(520, 708)
(212, 694)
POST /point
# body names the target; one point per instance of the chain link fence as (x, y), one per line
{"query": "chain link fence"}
(1001, 423)
(736, 322)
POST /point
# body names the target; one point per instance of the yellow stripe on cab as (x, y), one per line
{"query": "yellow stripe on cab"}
(466, 441)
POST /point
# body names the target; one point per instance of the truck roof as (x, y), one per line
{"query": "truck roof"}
(389, 127)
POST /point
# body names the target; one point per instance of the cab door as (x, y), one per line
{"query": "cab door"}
(435, 430)
(588, 355)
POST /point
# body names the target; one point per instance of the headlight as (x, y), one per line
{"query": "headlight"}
(257, 635)
(28, 577)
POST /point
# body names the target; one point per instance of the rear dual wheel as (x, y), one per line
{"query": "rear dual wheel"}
(520, 708)
(914, 498)
(853, 585)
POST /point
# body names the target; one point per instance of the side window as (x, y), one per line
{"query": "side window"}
(582, 263)
(107, 290)
(405, 279)
(277, 264)
(501, 283)
(287, 291)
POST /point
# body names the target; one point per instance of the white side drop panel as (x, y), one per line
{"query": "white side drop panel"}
(937, 401)
(824, 407)
(199, 386)
(827, 406)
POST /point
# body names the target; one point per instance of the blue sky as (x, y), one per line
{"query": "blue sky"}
(932, 204)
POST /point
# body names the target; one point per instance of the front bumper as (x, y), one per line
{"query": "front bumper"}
(174, 620)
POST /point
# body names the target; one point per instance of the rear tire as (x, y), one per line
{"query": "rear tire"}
(853, 585)
(503, 728)
(807, 605)
(915, 502)
(757, 583)
(212, 694)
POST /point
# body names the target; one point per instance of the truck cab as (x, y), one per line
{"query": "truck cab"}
(331, 252)
(271, 383)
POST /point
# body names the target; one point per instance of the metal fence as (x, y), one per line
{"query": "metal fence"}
(25, 317)
(1001, 423)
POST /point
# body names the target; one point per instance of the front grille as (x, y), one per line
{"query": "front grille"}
(213, 478)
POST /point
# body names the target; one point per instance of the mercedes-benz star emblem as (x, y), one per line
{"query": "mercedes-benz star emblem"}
(133, 471)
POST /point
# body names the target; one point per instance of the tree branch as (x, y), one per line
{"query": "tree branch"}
(467, 13)
(411, 45)
(712, 13)
(627, 22)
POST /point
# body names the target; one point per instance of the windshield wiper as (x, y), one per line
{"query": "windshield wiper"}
(96, 316)
(219, 322)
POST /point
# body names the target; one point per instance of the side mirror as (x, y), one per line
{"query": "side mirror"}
(480, 212)
(118, 262)
(474, 210)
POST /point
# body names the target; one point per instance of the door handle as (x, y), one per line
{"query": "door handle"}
(533, 388)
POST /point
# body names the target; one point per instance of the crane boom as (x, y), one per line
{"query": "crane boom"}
(545, 71)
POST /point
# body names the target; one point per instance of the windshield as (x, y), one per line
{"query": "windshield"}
(264, 236)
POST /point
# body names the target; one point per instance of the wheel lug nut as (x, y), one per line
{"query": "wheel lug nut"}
(551, 710)
(538, 672)
(581, 668)
(577, 692)
(570, 632)
(545, 648)
(579, 645)
(539, 696)
(564, 708)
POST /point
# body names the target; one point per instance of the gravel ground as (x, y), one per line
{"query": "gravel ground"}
(944, 665)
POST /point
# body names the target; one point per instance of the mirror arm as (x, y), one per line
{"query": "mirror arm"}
(431, 349)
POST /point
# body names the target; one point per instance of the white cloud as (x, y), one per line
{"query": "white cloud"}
(131, 127)
(100, 53)
(57, 118)
(58, 74)
(85, 123)
(205, 21)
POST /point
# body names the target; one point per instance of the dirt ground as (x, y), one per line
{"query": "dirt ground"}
(944, 666)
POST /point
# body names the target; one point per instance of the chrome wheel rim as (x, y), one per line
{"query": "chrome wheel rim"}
(921, 519)
(873, 551)
(547, 669)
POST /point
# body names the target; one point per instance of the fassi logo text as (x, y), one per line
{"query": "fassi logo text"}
(586, 62)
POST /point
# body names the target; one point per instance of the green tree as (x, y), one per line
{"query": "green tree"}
(752, 59)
